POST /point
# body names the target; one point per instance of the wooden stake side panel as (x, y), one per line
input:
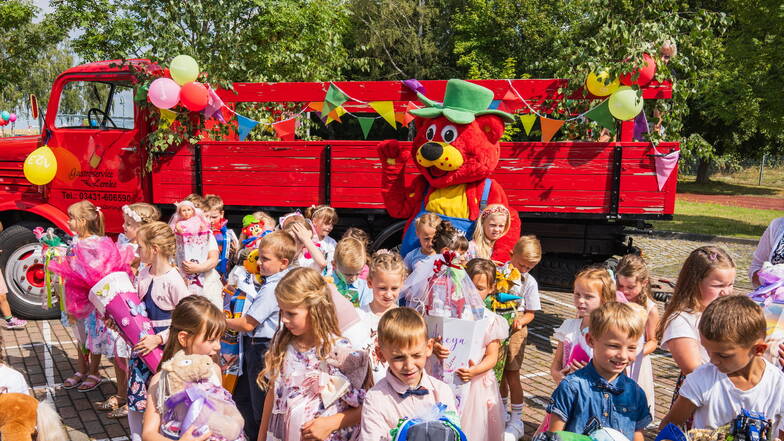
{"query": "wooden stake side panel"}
(538, 177)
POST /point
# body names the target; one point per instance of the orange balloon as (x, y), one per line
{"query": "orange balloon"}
(68, 165)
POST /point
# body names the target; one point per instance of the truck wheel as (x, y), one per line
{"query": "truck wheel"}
(390, 238)
(557, 271)
(23, 268)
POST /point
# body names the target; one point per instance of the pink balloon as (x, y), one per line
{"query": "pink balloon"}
(164, 93)
(12, 118)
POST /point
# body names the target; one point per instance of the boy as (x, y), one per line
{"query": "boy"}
(732, 330)
(406, 390)
(526, 254)
(224, 236)
(258, 326)
(601, 390)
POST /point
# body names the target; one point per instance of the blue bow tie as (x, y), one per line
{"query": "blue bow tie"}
(418, 391)
(615, 390)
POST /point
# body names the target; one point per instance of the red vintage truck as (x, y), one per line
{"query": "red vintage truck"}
(576, 196)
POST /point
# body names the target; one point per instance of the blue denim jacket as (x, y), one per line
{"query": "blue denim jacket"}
(620, 404)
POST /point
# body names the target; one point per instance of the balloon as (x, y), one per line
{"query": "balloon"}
(646, 72)
(68, 165)
(12, 118)
(194, 96)
(599, 85)
(625, 103)
(3, 122)
(184, 69)
(5, 115)
(40, 166)
(164, 93)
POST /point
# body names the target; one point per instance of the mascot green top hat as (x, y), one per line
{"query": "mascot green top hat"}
(463, 102)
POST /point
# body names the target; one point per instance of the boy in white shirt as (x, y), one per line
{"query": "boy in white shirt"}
(732, 330)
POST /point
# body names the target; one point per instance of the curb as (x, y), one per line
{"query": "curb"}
(695, 237)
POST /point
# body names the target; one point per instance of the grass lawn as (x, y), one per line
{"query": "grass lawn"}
(718, 220)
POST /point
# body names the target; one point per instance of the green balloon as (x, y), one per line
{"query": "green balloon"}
(184, 69)
(625, 103)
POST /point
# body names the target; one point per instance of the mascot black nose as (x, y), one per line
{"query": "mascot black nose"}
(431, 151)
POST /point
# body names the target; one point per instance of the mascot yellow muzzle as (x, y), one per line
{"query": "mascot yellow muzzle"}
(439, 154)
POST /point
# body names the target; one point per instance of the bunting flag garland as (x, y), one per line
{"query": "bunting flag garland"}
(334, 99)
(601, 114)
(494, 104)
(387, 111)
(167, 117)
(408, 116)
(640, 126)
(400, 117)
(245, 125)
(365, 124)
(665, 164)
(214, 104)
(286, 129)
(316, 106)
(335, 115)
(415, 86)
(550, 127)
(528, 121)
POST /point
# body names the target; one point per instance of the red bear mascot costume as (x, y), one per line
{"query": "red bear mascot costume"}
(456, 149)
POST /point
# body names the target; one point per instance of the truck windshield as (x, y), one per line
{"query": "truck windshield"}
(95, 104)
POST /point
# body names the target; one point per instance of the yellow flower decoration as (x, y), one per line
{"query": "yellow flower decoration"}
(505, 283)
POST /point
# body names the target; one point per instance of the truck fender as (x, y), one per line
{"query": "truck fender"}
(47, 211)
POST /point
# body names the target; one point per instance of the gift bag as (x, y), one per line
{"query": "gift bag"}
(192, 247)
(438, 424)
(770, 296)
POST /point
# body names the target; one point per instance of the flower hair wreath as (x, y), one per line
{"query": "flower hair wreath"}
(498, 209)
(131, 214)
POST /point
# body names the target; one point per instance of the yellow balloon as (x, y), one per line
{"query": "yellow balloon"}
(625, 103)
(598, 84)
(40, 166)
(184, 69)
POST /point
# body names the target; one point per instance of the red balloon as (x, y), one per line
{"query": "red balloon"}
(3, 122)
(194, 96)
(166, 73)
(646, 73)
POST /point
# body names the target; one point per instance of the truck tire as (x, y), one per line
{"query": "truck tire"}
(22, 266)
(557, 271)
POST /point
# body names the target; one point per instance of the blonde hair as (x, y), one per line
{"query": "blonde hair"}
(733, 319)
(686, 295)
(329, 214)
(529, 249)
(265, 218)
(197, 316)
(301, 287)
(213, 202)
(197, 200)
(146, 212)
(484, 246)
(632, 265)
(160, 235)
(360, 235)
(598, 275)
(478, 266)
(281, 244)
(90, 216)
(388, 262)
(350, 254)
(617, 315)
(401, 328)
(431, 220)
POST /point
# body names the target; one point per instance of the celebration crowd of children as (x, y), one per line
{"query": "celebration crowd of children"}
(317, 338)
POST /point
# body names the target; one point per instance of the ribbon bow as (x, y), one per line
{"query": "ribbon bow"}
(771, 292)
(137, 308)
(196, 399)
(615, 390)
(448, 257)
(421, 391)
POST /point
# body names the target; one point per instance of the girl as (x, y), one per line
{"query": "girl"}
(593, 287)
(362, 236)
(425, 228)
(483, 415)
(302, 353)
(196, 328)
(310, 255)
(491, 225)
(160, 287)
(708, 273)
(633, 281)
(85, 220)
(323, 218)
(386, 277)
(349, 259)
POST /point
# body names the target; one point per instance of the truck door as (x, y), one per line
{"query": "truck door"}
(92, 127)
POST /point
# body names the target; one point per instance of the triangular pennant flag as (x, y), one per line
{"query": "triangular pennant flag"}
(167, 116)
(219, 116)
(316, 106)
(528, 121)
(335, 96)
(213, 104)
(326, 109)
(665, 164)
(415, 86)
(408, 116)
(334, 115)
(549, 127)
(245, 125)
(510, 96)
(601, 114)
(386, 109)
(340, 110)
(285, 130)
(640, 126)
(494, 104)
(400, 117)
(365, 124)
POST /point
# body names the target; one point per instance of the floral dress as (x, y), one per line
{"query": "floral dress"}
(299, 398)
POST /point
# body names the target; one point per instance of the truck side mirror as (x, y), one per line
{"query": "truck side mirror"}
(33, 106)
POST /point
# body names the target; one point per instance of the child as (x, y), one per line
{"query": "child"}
(707, 274)
(462, 247)
(492, 224)
(196, 327)
(85, 220)
(324, 218)
(732, 330)
(11, 380)
(349, 260)
(197, 201)
(160, 287)
(386, 277)
(406, 390)
(258, 325)
(310, 255)
(593, 287)
(425, 228)
(362, 236)
(601, 389)
(633, 281)
(224, 236)
(301, 367)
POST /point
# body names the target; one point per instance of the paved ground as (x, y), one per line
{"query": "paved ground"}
(46, 354)
(762, 202)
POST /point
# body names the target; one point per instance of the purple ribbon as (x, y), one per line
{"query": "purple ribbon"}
(414, 85)
(196, 399)
(771, 292)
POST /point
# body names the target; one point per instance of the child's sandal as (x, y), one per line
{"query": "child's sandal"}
(91, 383)
(111, 403)
(120, 412)
(73, 381)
